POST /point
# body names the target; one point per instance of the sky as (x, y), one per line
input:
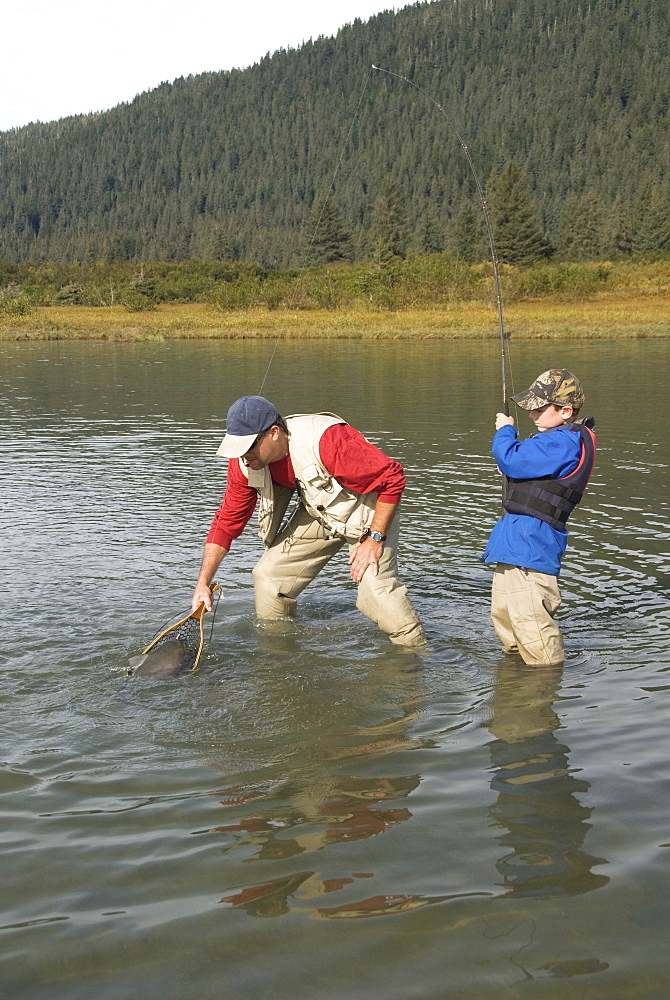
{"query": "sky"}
(68, 57)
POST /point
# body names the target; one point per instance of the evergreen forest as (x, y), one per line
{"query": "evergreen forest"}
(312, 156)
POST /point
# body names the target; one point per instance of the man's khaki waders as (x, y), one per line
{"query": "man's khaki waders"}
(298, 554)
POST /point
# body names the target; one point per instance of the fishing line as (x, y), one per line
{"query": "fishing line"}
(215, 608)
(303, 267)
(489, 229)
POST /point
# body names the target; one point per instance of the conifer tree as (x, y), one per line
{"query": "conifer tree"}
(390, 225)
(515, 221)
(247, 149)
(328, 239)
(429, 235)
(618, 231)
(651, 226)
(468, 240)
(582, 228)
(220, 246)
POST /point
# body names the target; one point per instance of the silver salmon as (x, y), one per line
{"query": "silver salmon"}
(168, 659)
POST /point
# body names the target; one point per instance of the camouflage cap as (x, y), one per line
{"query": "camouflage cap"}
(558, 385)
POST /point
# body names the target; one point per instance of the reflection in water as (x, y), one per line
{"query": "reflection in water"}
(376, 906)
(583, 967)
(537, 793)
(348, 813)
(315, 806)
(345, 814)
(538, 807)
(270, 899)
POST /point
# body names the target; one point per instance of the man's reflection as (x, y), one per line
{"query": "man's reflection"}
(271, 899)
(349, 811)
(354, 809)
(537, 793)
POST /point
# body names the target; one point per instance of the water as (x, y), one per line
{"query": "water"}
(315, 812)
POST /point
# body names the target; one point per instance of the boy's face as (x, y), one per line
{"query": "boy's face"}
(547, 417)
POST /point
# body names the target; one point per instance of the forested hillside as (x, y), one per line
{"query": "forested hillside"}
(563, 104)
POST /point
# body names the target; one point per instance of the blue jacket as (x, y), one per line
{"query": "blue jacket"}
(519, 539)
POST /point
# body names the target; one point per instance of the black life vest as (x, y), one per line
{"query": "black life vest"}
(553, 500)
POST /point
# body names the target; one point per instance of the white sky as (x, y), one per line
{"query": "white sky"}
(68, 57)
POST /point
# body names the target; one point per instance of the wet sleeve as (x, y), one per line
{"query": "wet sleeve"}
(236, 508)
(359, 466)
(550, 453)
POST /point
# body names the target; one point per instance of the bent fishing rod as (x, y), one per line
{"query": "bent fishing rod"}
(489, 229)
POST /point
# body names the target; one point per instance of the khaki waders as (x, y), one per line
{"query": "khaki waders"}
(298, 554)
(523, 605)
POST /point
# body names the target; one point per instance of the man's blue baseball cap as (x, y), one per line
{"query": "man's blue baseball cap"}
(248, 417)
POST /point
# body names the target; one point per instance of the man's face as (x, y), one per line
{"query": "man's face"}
(269, 446)
(547, 417)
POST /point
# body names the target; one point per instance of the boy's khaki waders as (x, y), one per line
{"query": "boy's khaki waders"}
(523, 605)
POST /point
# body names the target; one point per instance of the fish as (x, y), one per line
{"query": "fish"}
(168, 659)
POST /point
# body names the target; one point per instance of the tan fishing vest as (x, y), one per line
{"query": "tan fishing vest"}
(342, 512)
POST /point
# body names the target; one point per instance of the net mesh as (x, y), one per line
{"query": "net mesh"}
(187, 636)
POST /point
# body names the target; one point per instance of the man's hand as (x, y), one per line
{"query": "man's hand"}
(367, 553)
(202, 593)
(502, 420)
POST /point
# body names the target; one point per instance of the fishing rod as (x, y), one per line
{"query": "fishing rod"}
(489, 229)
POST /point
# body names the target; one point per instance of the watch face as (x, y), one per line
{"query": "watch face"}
(377, 536)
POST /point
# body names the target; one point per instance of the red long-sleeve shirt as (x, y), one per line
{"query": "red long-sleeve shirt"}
(358, 465)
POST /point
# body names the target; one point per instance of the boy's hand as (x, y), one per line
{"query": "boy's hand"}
(502, 420)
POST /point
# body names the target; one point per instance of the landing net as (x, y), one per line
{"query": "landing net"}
(186, 630)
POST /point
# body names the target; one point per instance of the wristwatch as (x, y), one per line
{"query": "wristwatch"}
(376, 536)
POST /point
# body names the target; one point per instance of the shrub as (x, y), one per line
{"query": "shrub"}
(69, 295)
(573, 279)
(135, 301)
(14, 305)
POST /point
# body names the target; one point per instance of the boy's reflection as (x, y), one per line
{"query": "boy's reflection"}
(537, 794)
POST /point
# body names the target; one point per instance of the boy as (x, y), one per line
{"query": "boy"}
(546, 476)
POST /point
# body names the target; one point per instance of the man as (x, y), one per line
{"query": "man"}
(348, 491)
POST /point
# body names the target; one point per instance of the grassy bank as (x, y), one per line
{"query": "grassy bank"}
(613, 315)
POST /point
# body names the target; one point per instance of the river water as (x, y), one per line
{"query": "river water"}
(316, 812)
